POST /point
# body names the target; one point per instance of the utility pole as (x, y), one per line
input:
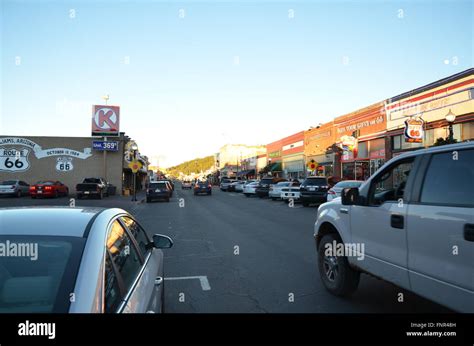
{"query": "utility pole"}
(105, 98)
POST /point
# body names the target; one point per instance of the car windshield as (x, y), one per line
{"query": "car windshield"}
(315, 182)
(344, 184)
(45, 183)
(38, 273)
(266, 181)
(158, 186)
(9, 182)
(283, 183)
(91, 181)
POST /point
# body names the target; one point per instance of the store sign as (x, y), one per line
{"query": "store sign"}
(105, 120)
(414, 131)
(14, 160)
(360, 125)
(103, 145)
(275, 154)
(349, 145)
(64, 164)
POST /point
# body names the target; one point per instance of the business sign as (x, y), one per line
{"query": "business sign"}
(275, 154)
(414, 131)
(105, 120)
(14, 160)
(103, 145)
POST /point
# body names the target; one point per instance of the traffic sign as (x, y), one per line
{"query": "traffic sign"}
(105, 145)
(135, 166)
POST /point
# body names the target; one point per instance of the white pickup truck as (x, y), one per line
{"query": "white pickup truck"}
(411, 223)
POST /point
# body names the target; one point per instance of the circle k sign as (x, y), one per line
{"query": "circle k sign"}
(105, 120)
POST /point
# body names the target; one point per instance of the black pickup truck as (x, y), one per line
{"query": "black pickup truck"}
(92, 187)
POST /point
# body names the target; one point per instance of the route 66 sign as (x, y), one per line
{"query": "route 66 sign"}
(14, 160)
(64, 164)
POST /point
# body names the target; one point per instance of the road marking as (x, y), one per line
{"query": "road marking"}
(203, 279)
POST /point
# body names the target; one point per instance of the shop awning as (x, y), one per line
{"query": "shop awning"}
(276, 167)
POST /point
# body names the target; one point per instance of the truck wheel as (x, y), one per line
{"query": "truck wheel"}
(101, 195)
(78, 196)
(336, 274)
(305, 204)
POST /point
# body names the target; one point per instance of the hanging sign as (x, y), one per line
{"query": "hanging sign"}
(414, 130)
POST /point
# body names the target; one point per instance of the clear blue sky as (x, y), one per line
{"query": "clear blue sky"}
(182, 90)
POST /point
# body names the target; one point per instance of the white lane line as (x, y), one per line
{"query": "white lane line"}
(203, 279)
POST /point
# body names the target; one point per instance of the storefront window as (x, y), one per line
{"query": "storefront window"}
(358, 170)
(362, 150)
(348, 171)
(397, 142)
(328, 170)
(468, 131)
(375, 164)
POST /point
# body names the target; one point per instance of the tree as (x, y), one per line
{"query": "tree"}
(444, 141)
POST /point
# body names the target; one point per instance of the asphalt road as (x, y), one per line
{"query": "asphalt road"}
(245, 255)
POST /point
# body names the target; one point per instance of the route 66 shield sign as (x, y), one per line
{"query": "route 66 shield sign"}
(14, 160)
(64, 164)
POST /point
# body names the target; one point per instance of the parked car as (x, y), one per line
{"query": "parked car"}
(203, 187)
(249, 189)
(48, 188)
(14, 187)
(264, 186)
(169, 182)
(240, 187)
(158, 190)
(236, 186)
(186, 185)
(336, 190)
(92, 187)
(314, 190)
(410, 215)
(225, 182)
(274, 191)
(103, 256)
(291, 192)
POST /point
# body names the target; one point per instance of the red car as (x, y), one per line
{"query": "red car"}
(48, 188)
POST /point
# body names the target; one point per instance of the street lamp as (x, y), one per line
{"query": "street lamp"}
(450, 117)
(134, 149)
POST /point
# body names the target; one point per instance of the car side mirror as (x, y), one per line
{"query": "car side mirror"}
(161, 241)
(350, 196)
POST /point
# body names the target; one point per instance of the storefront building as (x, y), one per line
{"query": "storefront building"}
(320, 159)
(293, 156)
(274, 159)
(361, 136)
(66, 159)
(426, 109)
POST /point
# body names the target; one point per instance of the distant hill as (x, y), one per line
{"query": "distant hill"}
(192, 166)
